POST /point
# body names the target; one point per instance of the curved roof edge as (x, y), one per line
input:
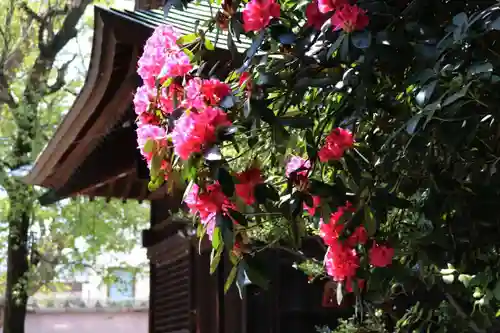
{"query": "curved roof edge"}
(75, 119)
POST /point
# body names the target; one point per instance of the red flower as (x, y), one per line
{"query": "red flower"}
(331, 231)
(315, 18)
(245, 80)
(350, 18)
(247, 181)
(341, 261)
(214, 91)
(380, 255)
(336, 143)
(359, 236)
(316, 203)
(258, 13)
(326, 6)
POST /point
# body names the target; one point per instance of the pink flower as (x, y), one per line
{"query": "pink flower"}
(316, 202)
(193, 131)
(142, 98)
(359, 236)
(341, 262)
(336, 143)
(315, 18)
(150, 132)
(169, 96)
(258, 13)
(350, 18)
(331, 231)
(207, 204)
(194, 97)
(298, 165)
(247, 180)
(176, 63)
(326, 6)
(155, 56)
(380, 255)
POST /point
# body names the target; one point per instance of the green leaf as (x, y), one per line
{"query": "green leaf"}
(149, 146)
(215, 257)
(217, 238)
(213, 154)
(370, 223)
(256, 43)
(238, 217)
(495, 25)
(361, 39)
(264, 192)
(496, 290)
(465, 279)
(226, 181)
(189, 54)
(247, 275)
(155, 165)
(326, 212)
(448, 279)
(335, 46)
(209, 45)
(186, 39)
(412, 124)
(225, 225)
(230, 278)
(296, 122)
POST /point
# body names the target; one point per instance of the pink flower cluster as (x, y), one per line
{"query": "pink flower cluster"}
(342, 259)
(160, 67)
(345, 16)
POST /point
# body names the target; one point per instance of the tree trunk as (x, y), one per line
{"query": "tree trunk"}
(17, 258)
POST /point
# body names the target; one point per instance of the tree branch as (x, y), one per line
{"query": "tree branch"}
(37, 80)
(61, 77)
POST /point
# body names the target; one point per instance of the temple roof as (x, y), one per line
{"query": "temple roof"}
(93, 152)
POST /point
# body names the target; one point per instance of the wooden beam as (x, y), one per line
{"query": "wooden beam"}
(106, 182)
(129, 181)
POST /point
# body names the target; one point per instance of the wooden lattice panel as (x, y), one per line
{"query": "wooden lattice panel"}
(171, 299)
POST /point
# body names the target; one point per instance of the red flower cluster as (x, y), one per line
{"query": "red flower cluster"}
(195, 130)
(380, 255)
(258, 13)
(345, 16)
(342, 259)
(337, 142)
(207, 204)
(350, 18)
(247, 180)
(315, 18)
